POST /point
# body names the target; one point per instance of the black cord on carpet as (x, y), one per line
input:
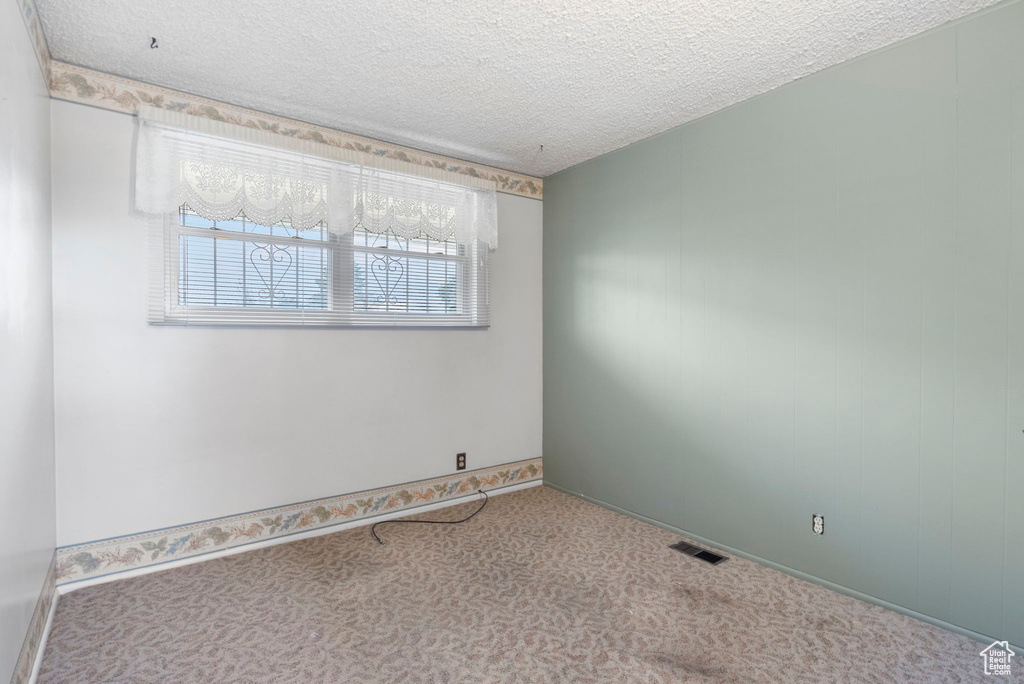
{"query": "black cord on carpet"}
(373, 530)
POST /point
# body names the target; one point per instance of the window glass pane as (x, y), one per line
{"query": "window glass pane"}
(421, 244)
(216, 271)
(240, 224)
(393, 282)
(193, 220)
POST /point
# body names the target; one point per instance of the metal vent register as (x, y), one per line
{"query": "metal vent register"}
(698, 552)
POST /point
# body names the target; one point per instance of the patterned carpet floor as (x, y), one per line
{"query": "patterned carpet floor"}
(540, 587)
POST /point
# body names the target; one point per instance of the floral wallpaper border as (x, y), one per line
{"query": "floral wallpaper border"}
(36, 628)
(94, 559)
(78, 84)
(86, 86)
(35, 33)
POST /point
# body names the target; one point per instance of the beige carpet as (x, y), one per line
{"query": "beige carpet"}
(540, 587)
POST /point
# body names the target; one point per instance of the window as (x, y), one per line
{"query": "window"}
(407, 275)
(237, 272)
(254, 228)
(239, 264)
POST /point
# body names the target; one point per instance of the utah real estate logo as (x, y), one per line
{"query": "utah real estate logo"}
(997, 658)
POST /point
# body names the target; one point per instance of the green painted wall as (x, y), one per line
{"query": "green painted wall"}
(813, 302)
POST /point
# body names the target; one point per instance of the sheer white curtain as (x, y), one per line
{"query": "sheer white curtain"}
(221, 170)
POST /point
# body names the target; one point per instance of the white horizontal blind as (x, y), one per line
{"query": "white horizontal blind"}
(236, 272)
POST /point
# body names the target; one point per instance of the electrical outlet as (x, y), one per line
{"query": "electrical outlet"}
(818, 524)
(460, 461)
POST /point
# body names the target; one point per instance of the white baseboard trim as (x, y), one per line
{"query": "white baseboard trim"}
(838, 588)
(169, 565)
(46, 635)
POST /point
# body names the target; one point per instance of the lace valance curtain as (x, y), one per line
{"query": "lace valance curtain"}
(221, 170)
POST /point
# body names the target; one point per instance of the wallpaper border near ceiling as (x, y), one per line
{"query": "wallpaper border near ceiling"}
(131, 552)
(86, 86)
(35, 33)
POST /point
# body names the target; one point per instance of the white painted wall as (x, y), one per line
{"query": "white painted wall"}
(160, 426)
(26, 336)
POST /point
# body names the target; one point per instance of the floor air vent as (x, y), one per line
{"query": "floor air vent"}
(698, 552)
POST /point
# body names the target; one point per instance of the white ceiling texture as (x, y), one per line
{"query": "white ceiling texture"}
(488, 81)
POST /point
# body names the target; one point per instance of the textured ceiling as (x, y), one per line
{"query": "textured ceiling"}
(483, 80)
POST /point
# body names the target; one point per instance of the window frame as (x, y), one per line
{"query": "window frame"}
(472, 298)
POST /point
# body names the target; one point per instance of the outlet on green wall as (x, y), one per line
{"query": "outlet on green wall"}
(813, 303)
